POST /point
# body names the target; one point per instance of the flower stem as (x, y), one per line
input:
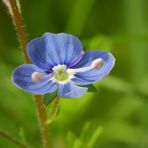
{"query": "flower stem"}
(19, 25)
(43, 119)
(20, 29)
(12, 139)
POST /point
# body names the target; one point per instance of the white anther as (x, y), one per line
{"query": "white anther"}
(97, 63)
(36, 76)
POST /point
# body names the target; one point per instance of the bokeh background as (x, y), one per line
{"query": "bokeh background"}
(114, 117)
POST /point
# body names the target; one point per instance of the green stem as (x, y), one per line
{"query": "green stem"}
(54, 109)
(20, 29)
(12, 139)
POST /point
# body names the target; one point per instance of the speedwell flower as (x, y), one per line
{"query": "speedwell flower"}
(59, 62)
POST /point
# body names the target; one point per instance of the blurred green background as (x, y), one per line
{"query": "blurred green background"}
(120, 107)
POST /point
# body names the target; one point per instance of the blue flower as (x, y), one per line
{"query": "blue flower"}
(59, 62)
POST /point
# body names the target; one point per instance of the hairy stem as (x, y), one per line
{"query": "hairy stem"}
(12, 139)
(20, 29)
(43, 119)
(19, 25)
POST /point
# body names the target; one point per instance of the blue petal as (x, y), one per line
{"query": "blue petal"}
(70, 90)
(91, 76)
(21, 77)
(52, 49)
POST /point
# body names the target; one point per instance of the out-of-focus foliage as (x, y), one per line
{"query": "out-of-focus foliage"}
(121, 104)
(87, 138)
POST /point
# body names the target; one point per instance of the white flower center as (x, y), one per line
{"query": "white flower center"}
(61, 75)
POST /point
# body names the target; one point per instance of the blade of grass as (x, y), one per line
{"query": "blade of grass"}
(78, 16)
(135, 24)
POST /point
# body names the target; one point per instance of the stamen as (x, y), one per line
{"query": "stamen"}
(96, 64)
(83, 69)
(36, 76)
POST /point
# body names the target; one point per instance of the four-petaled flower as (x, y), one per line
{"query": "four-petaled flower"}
(59, 62)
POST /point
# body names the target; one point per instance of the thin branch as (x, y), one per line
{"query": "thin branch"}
(43, 119)
(19, 25)
(12, 139)
(20, 29)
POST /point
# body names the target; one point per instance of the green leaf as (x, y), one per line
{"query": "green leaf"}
(80, 11)
(78, 144)
(91, 88)
(22, 135)
(70, 139)
(93, 139)
(88, 137)
(99, 41)
(48, 98)
(86, 132)
(116, 84)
